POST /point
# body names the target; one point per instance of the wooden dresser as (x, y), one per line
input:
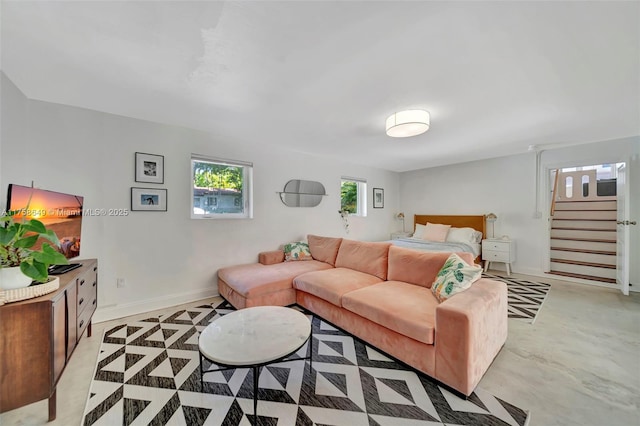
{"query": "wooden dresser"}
(38, 336)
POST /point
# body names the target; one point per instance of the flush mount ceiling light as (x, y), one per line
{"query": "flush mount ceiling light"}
(407, 123)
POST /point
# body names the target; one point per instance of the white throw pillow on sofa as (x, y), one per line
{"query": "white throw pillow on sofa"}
(454, 277)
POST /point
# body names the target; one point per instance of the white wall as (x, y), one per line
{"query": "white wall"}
(168, 258)
(13, 117)
(506, 186)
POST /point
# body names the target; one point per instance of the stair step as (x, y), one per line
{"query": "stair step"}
(585, 214)
(581, 229)
(584, 277)
(586, 205)
(583, 258)
(592, 240)
(587, 219)
(586, 201)
(576, 250)
(573, 268)
(584, 224)
(590, 234)
(577, 262)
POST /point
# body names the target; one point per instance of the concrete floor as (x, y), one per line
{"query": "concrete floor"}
(578, 364)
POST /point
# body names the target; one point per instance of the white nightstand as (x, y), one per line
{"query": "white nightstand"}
(498, 250)
(400, 234)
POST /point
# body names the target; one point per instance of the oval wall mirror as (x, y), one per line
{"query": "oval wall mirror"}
(302, 193)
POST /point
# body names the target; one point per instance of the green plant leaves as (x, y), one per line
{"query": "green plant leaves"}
(26, 242)
(36, 270)
(6, 235)
(35, 226)
(15, 247)
(49, 255)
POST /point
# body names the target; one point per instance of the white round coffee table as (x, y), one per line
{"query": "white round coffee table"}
(254, 337)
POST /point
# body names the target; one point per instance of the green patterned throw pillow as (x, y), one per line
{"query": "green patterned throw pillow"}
(454, 276)
(297, 251)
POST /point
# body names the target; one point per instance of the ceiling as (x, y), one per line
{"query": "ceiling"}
(322, 76)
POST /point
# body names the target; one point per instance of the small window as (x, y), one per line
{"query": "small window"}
(585, 186)
(221, 188)
(569, 186)
(353, 196)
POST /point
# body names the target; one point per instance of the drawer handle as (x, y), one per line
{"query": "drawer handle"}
(95, 283)
(95, 268)
(81, 282)
(80, 302)
(81, 323)
(94, 302)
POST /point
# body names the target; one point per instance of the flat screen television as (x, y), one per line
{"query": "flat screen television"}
(59, 212)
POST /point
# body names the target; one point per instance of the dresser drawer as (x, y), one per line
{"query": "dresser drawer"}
(496, 245)
(87, 285)
(85, 317)
(496, 256)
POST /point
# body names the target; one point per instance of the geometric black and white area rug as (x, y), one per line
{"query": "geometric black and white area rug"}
(147, 373)
(525, 297)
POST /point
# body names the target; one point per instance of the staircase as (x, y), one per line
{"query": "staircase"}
(583, 231)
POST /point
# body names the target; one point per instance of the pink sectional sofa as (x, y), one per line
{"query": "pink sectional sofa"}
(382, 294)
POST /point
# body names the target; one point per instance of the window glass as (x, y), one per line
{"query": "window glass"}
(353, 193)
(221, 188)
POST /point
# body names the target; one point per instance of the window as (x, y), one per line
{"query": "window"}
(353, 196)
(222, 189)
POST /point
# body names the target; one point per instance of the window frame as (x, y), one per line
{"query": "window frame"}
(247, 187)
(361, 197)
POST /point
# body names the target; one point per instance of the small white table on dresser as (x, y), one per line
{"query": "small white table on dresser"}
(498, 250)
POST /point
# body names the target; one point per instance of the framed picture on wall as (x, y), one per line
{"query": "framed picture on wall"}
(149, 168)
(378, 198)
(148, 199)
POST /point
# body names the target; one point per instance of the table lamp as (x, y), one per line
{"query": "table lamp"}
(491, 218)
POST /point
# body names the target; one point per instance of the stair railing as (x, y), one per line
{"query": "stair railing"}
(555, 192)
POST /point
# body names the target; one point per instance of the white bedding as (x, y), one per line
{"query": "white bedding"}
(420, 244)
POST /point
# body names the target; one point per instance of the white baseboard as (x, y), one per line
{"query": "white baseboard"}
(112, 312)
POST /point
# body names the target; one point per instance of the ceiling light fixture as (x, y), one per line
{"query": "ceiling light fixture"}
(407, 123)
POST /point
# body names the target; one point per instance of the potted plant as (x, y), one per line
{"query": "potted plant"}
(18, 259)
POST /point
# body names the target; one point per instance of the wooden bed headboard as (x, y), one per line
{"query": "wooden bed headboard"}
(477, 222)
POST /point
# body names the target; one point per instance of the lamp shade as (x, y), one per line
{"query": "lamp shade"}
(407, 123)
(491, 217)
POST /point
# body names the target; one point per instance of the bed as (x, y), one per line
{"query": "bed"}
(476, 222)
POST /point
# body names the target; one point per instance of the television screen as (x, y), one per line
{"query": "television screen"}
(59, 212)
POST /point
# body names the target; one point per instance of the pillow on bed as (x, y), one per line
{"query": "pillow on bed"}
(436, 232)
(464, 235)
(454, 277)
(419, 232)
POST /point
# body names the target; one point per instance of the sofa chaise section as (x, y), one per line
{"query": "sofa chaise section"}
(257, 284)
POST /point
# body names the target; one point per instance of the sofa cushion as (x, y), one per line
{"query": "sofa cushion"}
(324, 249)
(297, 251)
(271, 257)
(402, 307)
(455, 276)
(418, 267)
(332, 284)
(370, 258)
(255, 279)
